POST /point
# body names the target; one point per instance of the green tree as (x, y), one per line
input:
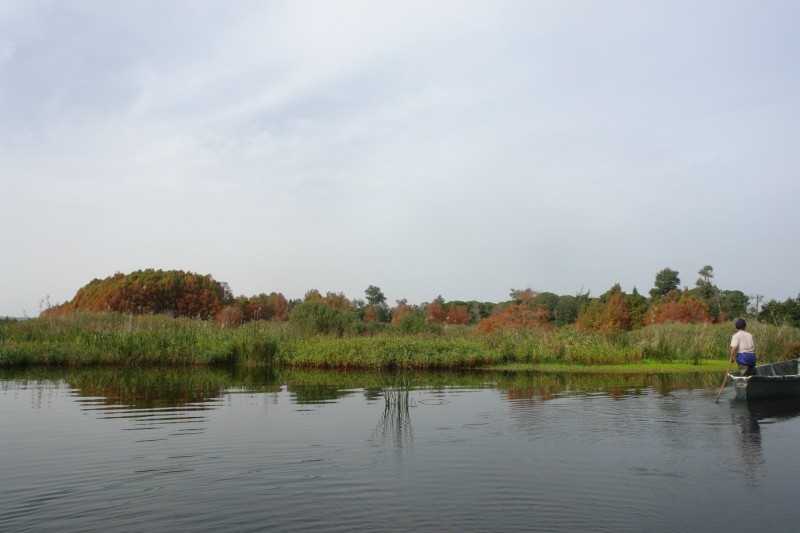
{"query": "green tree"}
(706, 274)
(376, 304)
(637, 306)
(732, 304)
(666, 280)
(317, 317)
(374, 295)
(708, 292)
(781, 313)
(549, 301)
(566, 310)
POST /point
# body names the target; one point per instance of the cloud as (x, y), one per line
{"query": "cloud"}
(425, 147)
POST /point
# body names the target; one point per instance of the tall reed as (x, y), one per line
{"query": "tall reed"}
(114, 339)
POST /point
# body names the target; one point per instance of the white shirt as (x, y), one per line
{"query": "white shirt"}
(743, 342)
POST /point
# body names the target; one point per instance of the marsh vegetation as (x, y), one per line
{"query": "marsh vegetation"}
(87, 339)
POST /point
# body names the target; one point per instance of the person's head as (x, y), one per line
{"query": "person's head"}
(740, 323)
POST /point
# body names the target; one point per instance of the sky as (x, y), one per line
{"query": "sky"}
(428, 148)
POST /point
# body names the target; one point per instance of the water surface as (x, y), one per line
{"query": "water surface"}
(198, 450)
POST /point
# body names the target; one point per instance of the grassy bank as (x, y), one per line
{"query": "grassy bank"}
(115, 339)
(644, 367)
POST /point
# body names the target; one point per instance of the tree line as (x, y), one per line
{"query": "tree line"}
(185, 294)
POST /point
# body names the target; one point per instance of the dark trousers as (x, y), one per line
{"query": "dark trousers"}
(747, 370)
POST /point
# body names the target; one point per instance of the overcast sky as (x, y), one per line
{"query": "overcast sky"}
(429, 148)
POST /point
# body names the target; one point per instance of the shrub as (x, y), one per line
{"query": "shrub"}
(321, 318)
(411, 324)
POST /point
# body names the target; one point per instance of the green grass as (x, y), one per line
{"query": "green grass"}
(645, 367)
(113, 339)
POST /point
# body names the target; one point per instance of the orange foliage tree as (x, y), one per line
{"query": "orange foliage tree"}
(172, 292)
(457, 314)
(610, 312)
(515, 315)
(229, 316)
(273, 306)
(435, 312)
(401, 310)
(371, 314)
(678, 307)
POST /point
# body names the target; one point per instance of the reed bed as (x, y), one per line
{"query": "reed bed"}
(114, 339)
(385, 352)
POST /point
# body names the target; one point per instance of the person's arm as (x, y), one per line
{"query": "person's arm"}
(734, 350)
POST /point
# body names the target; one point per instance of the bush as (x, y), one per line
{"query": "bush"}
(411, 324)
(320, 318)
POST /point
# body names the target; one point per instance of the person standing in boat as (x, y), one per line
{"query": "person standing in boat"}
(743, 349)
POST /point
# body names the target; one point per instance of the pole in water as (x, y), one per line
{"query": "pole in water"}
(724, 381)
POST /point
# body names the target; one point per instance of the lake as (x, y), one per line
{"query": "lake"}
(201, 449)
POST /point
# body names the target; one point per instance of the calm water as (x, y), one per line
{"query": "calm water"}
(204, 450)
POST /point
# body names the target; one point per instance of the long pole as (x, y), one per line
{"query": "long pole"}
(724, 381)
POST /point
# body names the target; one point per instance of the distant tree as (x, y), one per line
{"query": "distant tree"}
(312, 295)
(172, 292)
(229, 316)
(411, 324)
(374, 295)
(678, 307)
(402, 309)
(273, 306)
(376, 303)
(566, 311)
(732, 304)
(708, 292)
(480, 310)
(279, 305)
(435, 311)
(637, 306)
(515, 316)
(705, 273)
(608, 313)
(339, 301)
(457, 314)
(370, 314)
(666, 280)
(781, 313)
(317, 317)
(549, 301)
(523, 296)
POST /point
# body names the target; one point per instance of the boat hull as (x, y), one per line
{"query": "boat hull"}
(775, 380)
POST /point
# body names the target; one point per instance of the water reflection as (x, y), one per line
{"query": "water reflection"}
(194, 389)
(151, 400)
(147, 398)
(395, 423)
(542, 386)
(749, 417)
(184, 448)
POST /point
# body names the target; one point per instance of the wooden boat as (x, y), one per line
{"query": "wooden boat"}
(775, 380)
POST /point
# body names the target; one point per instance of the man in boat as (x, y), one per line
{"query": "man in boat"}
(743, 349)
